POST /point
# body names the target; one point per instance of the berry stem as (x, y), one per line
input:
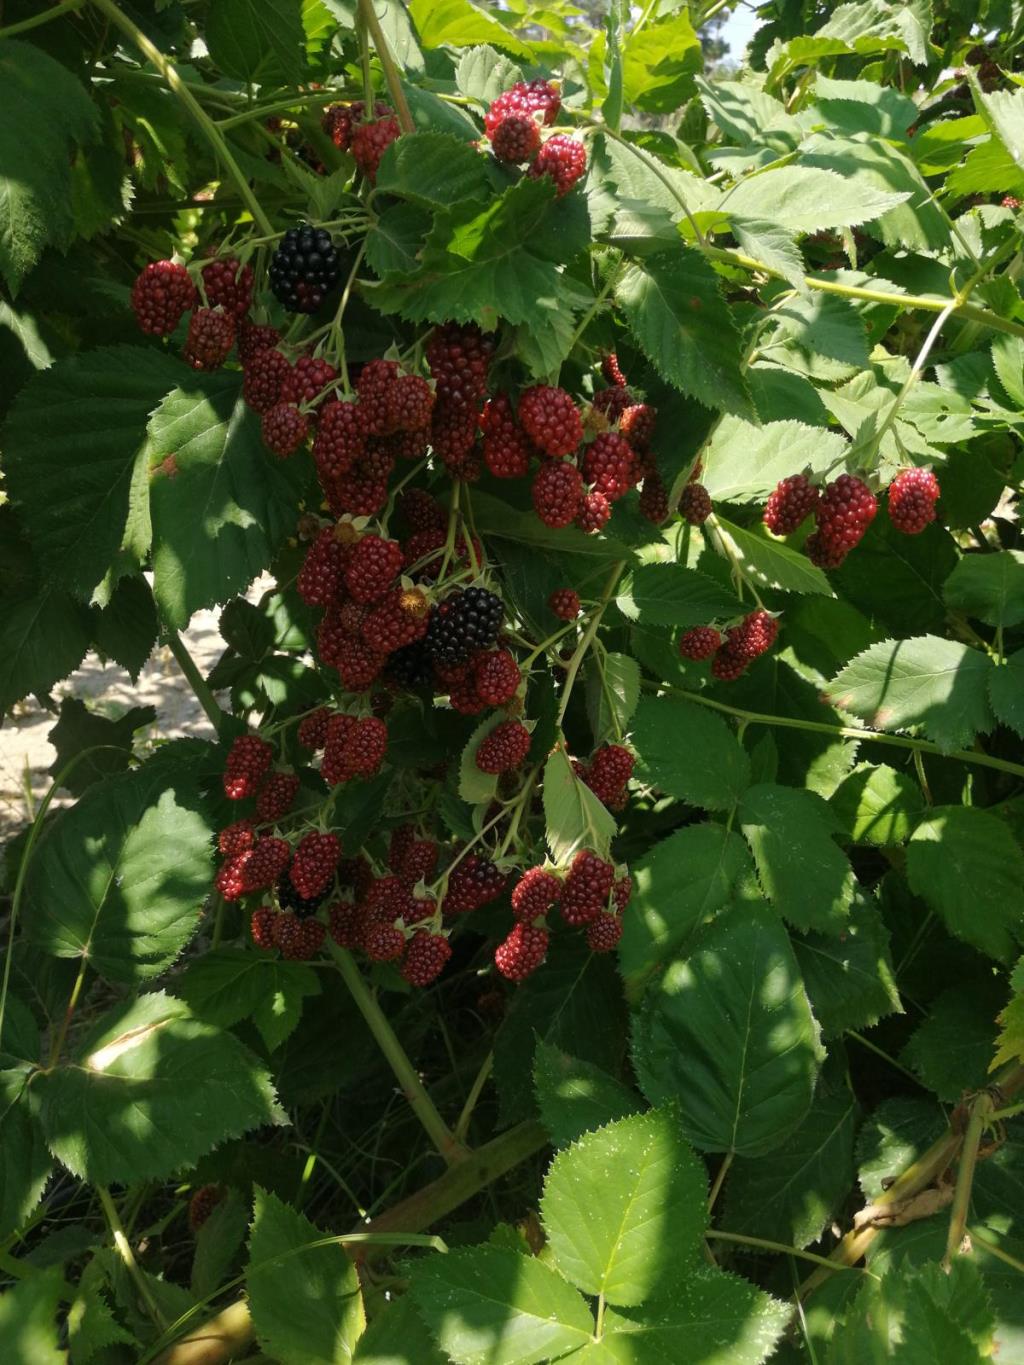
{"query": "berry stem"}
(842, 731)
(195, 679)
(412, 1087)
(268, 110)
(387, 61)
(765, 1245)
(981, 1117)
(54, 12)
(179, 87)
(476, 1090)
(124, 1249)
(588, 637)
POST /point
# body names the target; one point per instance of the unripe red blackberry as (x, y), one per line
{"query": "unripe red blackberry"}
(453, 434)
(236, 838)
(419, 860)
(755, 634)
(262, 379)
(211, 334)
(230, 879)
(550, 419)
(421, 511)
(507, 448)
(586, 888)
(346, 922)
(595, 512)
(695, 504)
(261, 927)
(401, 617)
(637, 424)
(312, 730)
(654, 498)
(563, 159)
(789, 504)
(338, 120)
(611, 371)
(307, 380)
(373, 565)
(464, 698)
(516, 139)
(340, 439)
(519, 955)
(473, 884)
(522, 100)
(565, 603)
(319, 578)
(557, 493)
(411, 404)
(364, 748)
(622, 890)
(229, 286)
(459, 356)
(371, 140)
(913, 494)
(253, 337)
(297, 939)
(305, 268)
(247, 761)
(382, 942)
(275, 799)
(264, 864)
(535, 893)
(504, 748)
(313, 865)
(1009, 201)
(398, 845)
(375, 386)
(497, 676)
(426, 956)
(846, 510)
(612, 403)
(699, 643)
(610, 464)
(202, 1204)
(610, 770)
(161, 295)
(284, 428)
(359, 493)
(604, 933)
(357, 663)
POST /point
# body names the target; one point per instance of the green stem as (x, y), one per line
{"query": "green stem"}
(844, 731)
(55, 12)
(263, 111)
(387, 61)
(476, 1090)
(719, 1181)
(981, 1114)
(978, 1240)
(384, 1035)
(124, 1250)
(76, 991)
(180, 88)
(588, 637)
(764, 1245)
(196, 680)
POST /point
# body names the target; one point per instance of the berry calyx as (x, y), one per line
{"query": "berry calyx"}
(504, 748)
(699, 643)
(550, 419)
(913, 494)
(519, 955)
(161, 296)
(789, 504)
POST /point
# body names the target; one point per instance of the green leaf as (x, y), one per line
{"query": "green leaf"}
(744, 462)
(218, 1243)
(625, 1208)
(824, 326)
(226, 985)
(258, 41)
(575, 1097)
(394, 241)
(396, 1337)
(305, 1300)
(809, 198)
(126, 627)
(433, 169)
(79, 730)
(1006, 692)
(495, 518)
(773, 246)
(489, 1306)
(659, 62)
(690, 752)
(989, 587)
(92, 1327)
(613, 690)
(28, 1315)
(672, 304)
(849, 979)
(804, 874)
(206, 452)
(728, 1035)
(789, 1195)
(476, 787)
(939, 685)
(574, 817)
(894, 1137)
(25, 1162)
(482, 74)
(898, 580)
(47, 113)
(1010, 1043)
(120, 877)
(951, 1048)
(720, 1318)
(877, 805)
(1003, 111)
(457, 23)
(864, 107)
(75, 436)
(33, 659)
(1008, 360)
(150, 1090)
(677, 884)
(768, 562)
(673, 595)
(960, 858)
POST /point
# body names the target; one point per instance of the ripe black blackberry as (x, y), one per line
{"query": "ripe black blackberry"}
(304, 906)
(464, 624)
(304, 268)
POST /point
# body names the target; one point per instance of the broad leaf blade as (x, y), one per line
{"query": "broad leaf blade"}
(689, 752)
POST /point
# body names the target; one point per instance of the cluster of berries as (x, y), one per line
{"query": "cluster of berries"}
(607, 774)
(366, 138)
(731, 654)
(164, 292)
(513, 124)
(589, 896)
(846, 507)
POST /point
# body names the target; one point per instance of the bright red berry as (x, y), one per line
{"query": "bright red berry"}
(522, 100)
(595, 512)
(338, 120)
(516, 139)
(313, 728)
(504, 748)
(610, 464)
(284, 428)
(565, 603)
(307, 380)
(229, 286)
(236, 838)
(913, 494)
(211, 334)
(791, 502)
(276, 797)
(161, 295)
(550, 419)
(247, 762)
(604, 933)
(373, 565)
(459, 356)
(261, 927)
(517, 956)
(611, 371)
(846, 510)
(497, 676)
(535, 893)
(699, 643)
(426, 956)
(264, 374)
(557, 492)
(1009, 201)
(563, 159)
(474, 883)
(586, 888)
(507, 448)
(230, 878)
(695, 504)
(370, 141)
(313, 865)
